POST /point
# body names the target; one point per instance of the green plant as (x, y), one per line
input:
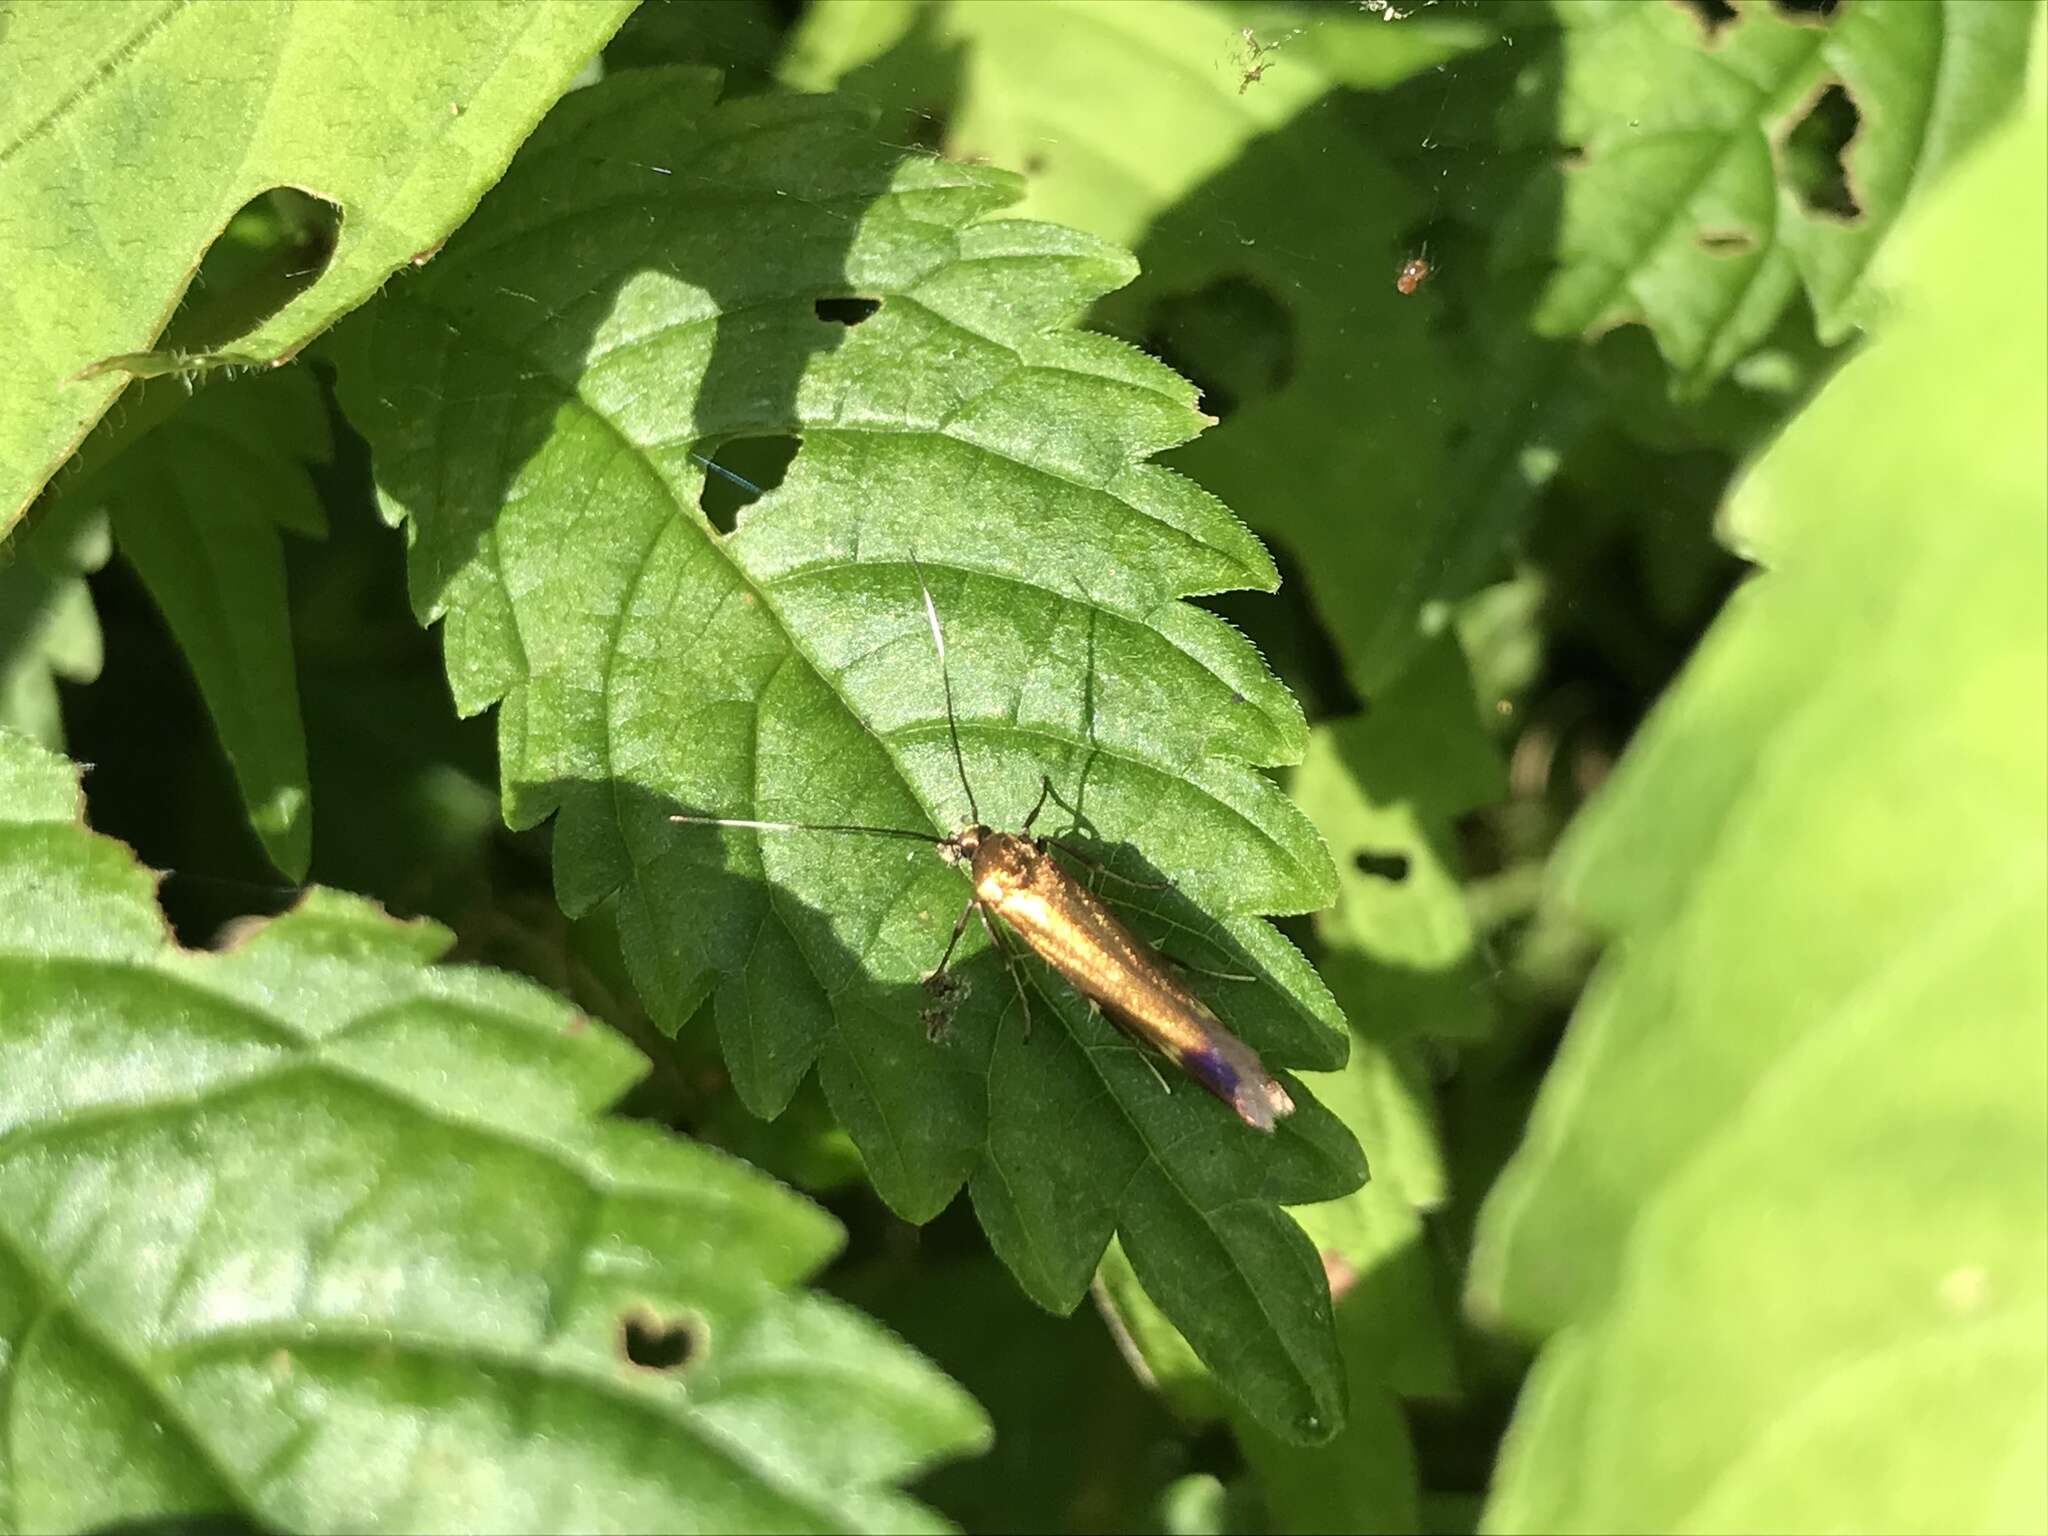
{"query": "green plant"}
(733, 330)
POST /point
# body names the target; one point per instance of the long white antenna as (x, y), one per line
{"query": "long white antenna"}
(931, 613)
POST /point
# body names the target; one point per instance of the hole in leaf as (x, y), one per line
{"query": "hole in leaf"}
(273, 249)
(739, 472)
(1232, 338)
(1812, 155)
(656, 1343)
(1725, 242)
(1712, 15)
(1800, 10)
(1386, 865)
(846, 311)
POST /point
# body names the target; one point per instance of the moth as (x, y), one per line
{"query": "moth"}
(1020, 886)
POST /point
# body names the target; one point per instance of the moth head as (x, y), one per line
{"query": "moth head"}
(963, 845)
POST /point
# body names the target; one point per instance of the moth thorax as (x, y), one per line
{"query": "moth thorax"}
(1003, 860)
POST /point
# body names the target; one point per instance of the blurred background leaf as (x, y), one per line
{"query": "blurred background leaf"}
(1719, 159)
(1782, 1202)
(196, 506)
(47, 626)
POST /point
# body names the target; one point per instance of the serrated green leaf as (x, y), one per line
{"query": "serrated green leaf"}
(1677, 207)
(1784, 1200)
(644, 283)
(316, 1234)
(117, 169)
(1391, 443)
(195, 507)
(1392, 1329)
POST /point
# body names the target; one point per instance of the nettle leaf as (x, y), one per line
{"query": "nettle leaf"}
(314, 1234)
(1699, 194)
(657, 277)
(196, 505)
(1784, 1199)
(117, 172)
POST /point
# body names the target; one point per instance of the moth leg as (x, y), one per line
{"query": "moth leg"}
(1145, 1051)
(1199, 970)
(1081, 857)
(959, 927)
(939, 983)
(1045, 792)
(1158, 1076)
(1009, 962)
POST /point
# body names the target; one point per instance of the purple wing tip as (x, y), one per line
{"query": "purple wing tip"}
(1232, 1072)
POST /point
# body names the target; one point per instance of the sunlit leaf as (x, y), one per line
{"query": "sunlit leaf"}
(116, 173)
(657, 279)
(1784, 1202)
(314, 1234)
